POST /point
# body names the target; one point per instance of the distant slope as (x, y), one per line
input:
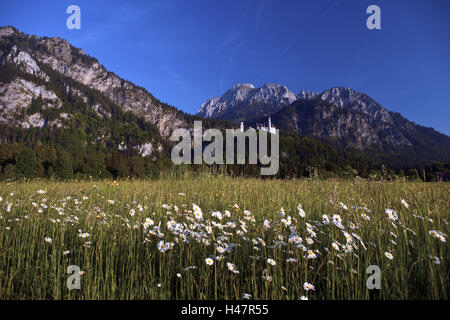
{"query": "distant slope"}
(387, 137)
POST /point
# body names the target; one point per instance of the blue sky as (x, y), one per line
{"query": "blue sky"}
(185, 52)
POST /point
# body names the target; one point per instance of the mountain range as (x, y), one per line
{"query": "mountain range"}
(64, 104)
(348, 118)
(61, 76)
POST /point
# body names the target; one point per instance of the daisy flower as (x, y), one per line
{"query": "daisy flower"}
(404, 203)
(392, 215)
(389, 255)
(348, 247)
(232, 267)
(287, 222)
(337, 219)
(220, 249)
(271, 262)
(348, 237)
(343, 206)
(217, 214)
(308, 286)
(438, 235)
(148, 222)
(164, 246)
(311, 233)
(301, 212)
(198, 214)
(247, 296)
(436, 260)
(209, 261)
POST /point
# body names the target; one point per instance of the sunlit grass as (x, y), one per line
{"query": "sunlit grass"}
(117, 248)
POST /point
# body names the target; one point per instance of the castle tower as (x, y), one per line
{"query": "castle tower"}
(242, 127)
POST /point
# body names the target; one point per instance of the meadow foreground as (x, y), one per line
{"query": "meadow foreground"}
(222, 238)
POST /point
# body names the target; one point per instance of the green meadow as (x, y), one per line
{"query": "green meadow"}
(215, 237)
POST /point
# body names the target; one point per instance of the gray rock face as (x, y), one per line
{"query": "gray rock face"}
(7, 31)
(241, 95)
(19, 93)
(358, 129)
(34, 120)
(24, 61)
(307, 95)
(16, 96)
(353, 100)
(145, 150)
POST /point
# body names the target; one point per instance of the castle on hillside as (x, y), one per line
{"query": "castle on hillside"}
(269, 128)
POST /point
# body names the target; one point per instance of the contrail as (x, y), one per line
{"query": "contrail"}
(310, 25)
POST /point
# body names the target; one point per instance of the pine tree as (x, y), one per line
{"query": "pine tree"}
(63, 168)
(26, 163)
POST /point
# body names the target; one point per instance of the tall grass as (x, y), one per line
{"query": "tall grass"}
(121, 260)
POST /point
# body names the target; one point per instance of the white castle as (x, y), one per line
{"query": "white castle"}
(269, 128)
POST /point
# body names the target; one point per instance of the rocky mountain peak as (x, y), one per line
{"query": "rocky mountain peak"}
(7, 31)
(357, 101)
(246, 94)
(243, 85)
(276, 93)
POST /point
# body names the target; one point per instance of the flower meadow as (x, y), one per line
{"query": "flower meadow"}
(215, 237)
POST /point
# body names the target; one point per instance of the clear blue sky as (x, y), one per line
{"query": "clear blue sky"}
(185, 52)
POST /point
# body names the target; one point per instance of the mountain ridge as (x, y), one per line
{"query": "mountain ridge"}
(74, 63)
(356, 130)
(339, 97)
(70, 110)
